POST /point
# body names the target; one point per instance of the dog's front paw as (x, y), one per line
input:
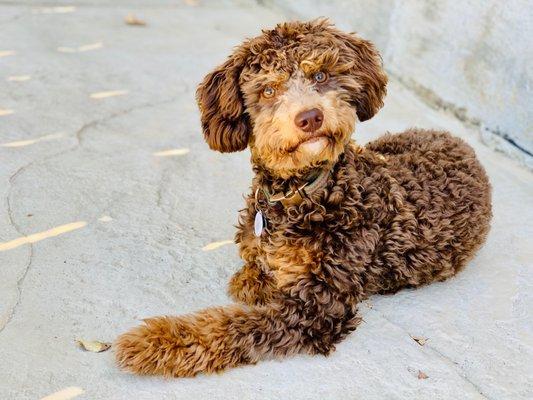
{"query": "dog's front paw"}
(163, 345)
(251, 286)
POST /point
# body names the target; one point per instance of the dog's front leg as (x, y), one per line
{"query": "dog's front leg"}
(310, 317)
(251, 285)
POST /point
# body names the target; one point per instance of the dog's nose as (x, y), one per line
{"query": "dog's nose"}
(309, 120)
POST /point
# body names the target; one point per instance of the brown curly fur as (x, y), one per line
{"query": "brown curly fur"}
(407, 210)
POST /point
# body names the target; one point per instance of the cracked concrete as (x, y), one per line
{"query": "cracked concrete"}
(147, 219)
(453, 364)
(79, 137)
(25, 270)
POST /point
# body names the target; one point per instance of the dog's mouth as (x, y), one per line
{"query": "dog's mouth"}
(311, 139)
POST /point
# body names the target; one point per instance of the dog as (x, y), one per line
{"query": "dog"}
(327, 223)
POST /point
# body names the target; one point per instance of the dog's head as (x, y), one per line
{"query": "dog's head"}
(293, 95)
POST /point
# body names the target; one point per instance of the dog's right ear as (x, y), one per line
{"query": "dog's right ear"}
(225, 123)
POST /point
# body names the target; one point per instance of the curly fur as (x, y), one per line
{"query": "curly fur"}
(407, 210)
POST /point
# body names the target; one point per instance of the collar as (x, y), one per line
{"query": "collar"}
(313, 184)
(295, 197)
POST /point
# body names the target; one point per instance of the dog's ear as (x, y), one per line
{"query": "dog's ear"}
(365, 66)
(225, 123)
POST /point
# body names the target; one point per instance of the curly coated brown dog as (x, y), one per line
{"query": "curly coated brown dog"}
(327, 223)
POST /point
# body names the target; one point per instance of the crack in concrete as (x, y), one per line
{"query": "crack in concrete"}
(165, 176)
(22, 277)
(12, 179)
(25, 270)
(91, 124)
(463, 375)
(453, 364)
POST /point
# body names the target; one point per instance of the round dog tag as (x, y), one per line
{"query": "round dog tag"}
(259, 223)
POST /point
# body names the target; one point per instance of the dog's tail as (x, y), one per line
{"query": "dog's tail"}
(218, 338)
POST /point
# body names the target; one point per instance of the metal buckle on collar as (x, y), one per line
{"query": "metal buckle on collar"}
(275, 198)
(293, 195)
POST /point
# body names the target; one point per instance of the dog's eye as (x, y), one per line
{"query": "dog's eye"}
(320, 77)
(269, 92)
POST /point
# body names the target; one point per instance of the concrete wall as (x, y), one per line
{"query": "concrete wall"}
(473, 57)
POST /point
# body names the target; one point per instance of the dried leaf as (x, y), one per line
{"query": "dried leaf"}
(93, 345)
(420, 340)
(133, 20)
(422, 375)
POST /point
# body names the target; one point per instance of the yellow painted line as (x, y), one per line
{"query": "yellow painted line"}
(216, 245)
(54, 10)
(65, 394)
(5, 53)
(36, 237)
(21, 143)
(171, 152)
(5, 112)
(111, 93)
(81, 49)
(18, 78)
(105, 218)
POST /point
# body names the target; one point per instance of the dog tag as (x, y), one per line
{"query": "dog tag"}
(259, 223)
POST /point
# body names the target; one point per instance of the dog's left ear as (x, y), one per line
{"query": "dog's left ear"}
(225, 123)
(365, 66)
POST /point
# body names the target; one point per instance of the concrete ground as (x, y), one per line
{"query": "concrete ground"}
(110, 197)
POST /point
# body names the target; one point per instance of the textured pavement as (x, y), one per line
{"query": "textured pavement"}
(113, 209)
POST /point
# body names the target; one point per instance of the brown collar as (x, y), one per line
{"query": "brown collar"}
(312, 185)
(295, 196)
